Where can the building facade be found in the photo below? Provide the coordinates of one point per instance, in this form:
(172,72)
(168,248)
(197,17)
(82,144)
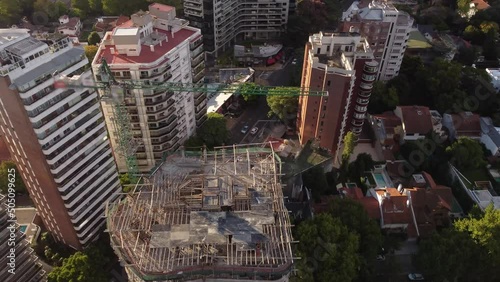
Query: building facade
(20,264)
(343,65)
(385,28)
(56,137)
(154,47)
(224,21)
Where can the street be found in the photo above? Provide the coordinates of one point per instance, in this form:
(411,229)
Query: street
(255,114)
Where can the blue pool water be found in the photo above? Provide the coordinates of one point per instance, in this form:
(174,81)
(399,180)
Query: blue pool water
(23,228)
(379,179)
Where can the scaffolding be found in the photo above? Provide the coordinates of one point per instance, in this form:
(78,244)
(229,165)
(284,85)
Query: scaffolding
(217,214)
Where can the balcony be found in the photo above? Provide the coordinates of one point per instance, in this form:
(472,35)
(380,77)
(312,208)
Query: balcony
(368,77)
(201,120)
(366,86)
(362,102)
(163,106)
(197,51)
(198,69)
(365,94)
(198,77)
(163,131)
(163,124)
(161,115)
(201,113)
(199,100)
(66,108)
(357,123)
(196,43)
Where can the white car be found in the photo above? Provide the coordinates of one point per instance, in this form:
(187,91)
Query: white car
(415,277)
(254,130)
(294,62)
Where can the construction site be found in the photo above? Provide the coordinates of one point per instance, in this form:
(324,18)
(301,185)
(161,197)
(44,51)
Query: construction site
(206,215)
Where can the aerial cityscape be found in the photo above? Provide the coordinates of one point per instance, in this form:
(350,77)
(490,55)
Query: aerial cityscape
(249,140)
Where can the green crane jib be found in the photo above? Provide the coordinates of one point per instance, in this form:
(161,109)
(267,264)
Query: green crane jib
(115,90)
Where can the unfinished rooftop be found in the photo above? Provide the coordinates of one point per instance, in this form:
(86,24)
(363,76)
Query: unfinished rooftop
(338,49)
(213,214)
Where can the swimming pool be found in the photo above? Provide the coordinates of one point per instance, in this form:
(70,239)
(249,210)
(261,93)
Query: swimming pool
(23,228)
(379,179)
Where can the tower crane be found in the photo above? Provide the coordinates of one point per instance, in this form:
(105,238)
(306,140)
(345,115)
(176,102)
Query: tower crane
(115,91)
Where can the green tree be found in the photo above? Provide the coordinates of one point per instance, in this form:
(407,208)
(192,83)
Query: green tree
(90,52)
(315,179)
(354,216)
(247,89)
(473,34)
(463,6)
(214,131)
(357,169)
(6,168)
(440,259)
(10,12)
(79,267)
(46,11)
(80,7)
(93,38)
(485,231)
(467,56)
(466,153)
(283,105)
(328,249)
(95,7)
(349,144)
(118,7)
(383,98)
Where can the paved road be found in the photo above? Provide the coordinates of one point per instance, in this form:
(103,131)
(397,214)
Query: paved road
(250,116)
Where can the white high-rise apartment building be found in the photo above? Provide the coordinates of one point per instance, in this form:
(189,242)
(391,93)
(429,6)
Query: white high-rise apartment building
(154,47)
(222,21)
(387,30)
(57,137)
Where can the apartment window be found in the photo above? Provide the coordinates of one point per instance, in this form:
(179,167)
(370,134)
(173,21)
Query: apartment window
(324,108)
(328,48)
(328,83)
(394,57)
(321,123)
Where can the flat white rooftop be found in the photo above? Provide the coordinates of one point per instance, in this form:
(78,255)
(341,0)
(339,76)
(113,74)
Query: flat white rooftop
(126,31)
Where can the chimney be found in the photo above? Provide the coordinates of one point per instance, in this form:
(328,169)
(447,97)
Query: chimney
(152,47)
(172,33)
(112,50)
(160,43)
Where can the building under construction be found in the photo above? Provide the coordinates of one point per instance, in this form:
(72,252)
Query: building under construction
(212,215)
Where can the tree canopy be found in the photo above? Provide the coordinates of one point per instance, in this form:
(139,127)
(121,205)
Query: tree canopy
(93,38)
(246,90)
(328,249)
(349,144)
(10,12)
(476,258)
(212,133)
(90,52)
(283,106)
(466,153)
(340,245)
(5,168)
(315,180)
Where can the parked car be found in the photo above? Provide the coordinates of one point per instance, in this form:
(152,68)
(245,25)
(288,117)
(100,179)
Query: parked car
(244,129)
(380,257)
(415,277)
(254,130)
(294,62)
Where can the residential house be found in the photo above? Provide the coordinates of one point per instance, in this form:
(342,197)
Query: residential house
(353,192)
(388,130)
(70,26)
(464,124)
(490,136)
(416,121)
(105,24)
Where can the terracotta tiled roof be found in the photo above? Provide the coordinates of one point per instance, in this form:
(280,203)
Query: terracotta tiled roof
(71,24)
(371,206)
(394,208)
(161,7)
(416,119)
(480,4)
(390,121)
(352,192)
(467,124)
(388,155)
